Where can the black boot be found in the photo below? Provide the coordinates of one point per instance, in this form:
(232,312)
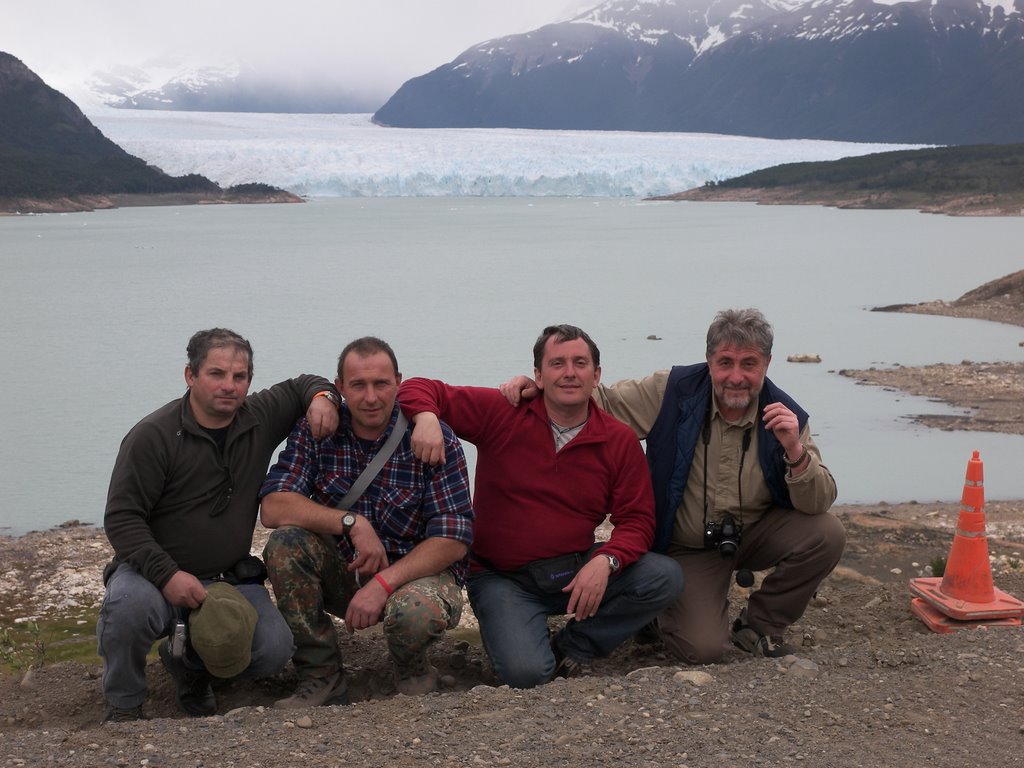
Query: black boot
(195,694)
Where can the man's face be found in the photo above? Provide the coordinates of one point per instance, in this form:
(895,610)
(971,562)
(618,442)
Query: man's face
(567,375)
(220,387)
(369,386)
(737,375)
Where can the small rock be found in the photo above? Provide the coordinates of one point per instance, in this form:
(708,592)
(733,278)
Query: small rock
(693,677)
(804,668)
(642,672)
(652,337)
(448,681)
(896,571)
(304,722)
(803,359)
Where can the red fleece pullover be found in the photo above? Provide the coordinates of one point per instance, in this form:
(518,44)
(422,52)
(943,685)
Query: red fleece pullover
(531,502)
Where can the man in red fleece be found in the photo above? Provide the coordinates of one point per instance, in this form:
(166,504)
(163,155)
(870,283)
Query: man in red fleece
(548,473)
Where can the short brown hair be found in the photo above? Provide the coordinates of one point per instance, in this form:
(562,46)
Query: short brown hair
(202,342)
(563,333)
(364,347)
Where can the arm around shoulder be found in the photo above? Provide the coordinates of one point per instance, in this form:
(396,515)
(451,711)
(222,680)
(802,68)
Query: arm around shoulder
(635,402)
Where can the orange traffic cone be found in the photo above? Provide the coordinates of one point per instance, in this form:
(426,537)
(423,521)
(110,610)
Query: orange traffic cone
(965,595)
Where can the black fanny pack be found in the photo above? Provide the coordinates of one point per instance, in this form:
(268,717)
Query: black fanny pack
(249,570)
(548,576)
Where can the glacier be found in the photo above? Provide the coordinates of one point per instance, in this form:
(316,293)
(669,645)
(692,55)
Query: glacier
(347,155)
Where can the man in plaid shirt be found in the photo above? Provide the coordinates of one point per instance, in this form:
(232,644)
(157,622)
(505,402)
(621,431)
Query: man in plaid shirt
(398,556)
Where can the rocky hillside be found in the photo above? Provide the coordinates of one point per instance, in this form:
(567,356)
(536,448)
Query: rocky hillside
(948,71)
(53,158)
(977,180)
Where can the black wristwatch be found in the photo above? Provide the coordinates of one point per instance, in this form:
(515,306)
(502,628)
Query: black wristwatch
(347,521)
(331,397)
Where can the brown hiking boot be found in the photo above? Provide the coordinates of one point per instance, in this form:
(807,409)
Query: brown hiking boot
(317,692)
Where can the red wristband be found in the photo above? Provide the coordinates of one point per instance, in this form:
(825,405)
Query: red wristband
(380,580)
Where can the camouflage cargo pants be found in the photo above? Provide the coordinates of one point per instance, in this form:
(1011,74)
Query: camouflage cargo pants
(311,580)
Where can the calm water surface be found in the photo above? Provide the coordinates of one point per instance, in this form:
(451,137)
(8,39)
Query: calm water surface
(98,308)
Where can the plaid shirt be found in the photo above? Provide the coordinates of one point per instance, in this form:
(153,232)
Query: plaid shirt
(407,502)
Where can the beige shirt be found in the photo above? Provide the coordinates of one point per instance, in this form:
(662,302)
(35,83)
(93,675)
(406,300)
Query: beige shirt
(735,483)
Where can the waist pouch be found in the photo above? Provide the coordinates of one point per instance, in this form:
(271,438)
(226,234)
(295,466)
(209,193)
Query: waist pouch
(548,576)
(249,570)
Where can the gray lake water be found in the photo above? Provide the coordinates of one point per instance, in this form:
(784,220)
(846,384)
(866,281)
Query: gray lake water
(98,307)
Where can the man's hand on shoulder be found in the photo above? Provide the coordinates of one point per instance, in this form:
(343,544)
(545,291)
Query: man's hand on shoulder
(427,438)
(323,418)
(519,388)
(184,590)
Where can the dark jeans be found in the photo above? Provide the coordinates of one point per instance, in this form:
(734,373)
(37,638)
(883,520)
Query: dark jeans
(514,620)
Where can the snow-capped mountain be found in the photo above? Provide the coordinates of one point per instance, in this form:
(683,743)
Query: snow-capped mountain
(177,82)
(934,71)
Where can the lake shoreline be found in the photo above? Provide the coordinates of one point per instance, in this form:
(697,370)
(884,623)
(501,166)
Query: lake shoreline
(954,205)
(88,203)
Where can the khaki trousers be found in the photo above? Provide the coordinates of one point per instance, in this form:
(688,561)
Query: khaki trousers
(803,550)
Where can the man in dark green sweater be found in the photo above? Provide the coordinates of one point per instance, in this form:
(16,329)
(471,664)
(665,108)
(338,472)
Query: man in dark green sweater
(180,515)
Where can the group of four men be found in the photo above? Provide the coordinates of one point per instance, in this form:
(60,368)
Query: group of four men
(373,521)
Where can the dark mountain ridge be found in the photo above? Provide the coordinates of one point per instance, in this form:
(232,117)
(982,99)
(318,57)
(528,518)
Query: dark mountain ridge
(949,71)
(50,151)
(49,148)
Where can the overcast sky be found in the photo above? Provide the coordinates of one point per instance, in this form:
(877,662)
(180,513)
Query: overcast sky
(387,41)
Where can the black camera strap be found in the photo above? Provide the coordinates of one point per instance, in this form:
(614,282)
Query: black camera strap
(706,439)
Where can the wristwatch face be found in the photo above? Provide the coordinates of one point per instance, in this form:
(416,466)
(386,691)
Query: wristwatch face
(347,521)
(613,561)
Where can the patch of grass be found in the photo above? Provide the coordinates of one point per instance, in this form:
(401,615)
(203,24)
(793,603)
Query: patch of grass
(22,650)
(938,566)
(31,644)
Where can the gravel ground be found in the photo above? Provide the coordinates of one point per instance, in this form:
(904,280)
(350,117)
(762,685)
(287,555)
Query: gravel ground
(871,686)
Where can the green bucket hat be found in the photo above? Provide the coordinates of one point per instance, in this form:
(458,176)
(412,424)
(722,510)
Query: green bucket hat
(221,630)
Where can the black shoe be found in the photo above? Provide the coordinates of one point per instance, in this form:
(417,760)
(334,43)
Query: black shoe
(565,666)
(119,715)
(746,638)
(195,694)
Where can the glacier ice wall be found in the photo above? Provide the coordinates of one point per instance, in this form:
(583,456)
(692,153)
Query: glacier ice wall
(349,156)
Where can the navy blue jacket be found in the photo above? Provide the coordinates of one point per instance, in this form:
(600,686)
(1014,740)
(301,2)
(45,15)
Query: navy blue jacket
(673,439)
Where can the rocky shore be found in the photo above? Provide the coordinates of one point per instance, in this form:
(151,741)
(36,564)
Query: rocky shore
(950,205)
(85,203)
(871,685)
